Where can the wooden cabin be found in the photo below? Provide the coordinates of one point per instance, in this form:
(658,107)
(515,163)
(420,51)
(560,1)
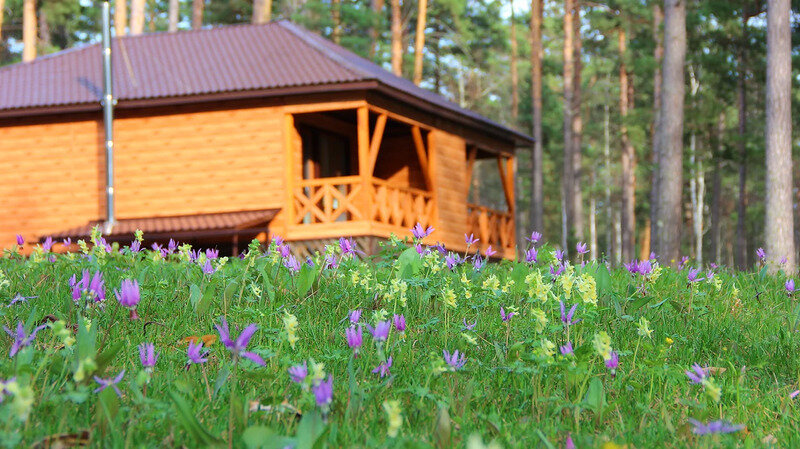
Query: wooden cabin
(226,134)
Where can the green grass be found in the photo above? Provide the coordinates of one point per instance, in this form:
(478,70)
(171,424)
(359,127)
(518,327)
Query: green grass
(514,389)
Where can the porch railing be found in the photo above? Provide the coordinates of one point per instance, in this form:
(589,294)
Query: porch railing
(329,200)
(492,227)
(400,206)
(343,199)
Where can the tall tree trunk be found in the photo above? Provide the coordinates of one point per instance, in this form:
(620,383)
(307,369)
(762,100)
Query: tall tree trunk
(45,38)
(419,40)
(2,10)
(716,193)
(513,68)
(628,176)
(173,15)
(670,134)
(374,30)
(658,55)
(120,17)
(593,220)
(28,30)
(336,17)
(612,250)
(137,16)
(577,127)
(197,13)
(741,205)
(262,11)
(537,196)
(779,223)
(696,183)
(397,38)
(568,179)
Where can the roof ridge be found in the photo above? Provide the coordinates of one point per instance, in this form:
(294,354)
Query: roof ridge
(309,38)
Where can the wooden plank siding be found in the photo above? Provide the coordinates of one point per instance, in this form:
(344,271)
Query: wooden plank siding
(450,159)
(52,176)
(219,157)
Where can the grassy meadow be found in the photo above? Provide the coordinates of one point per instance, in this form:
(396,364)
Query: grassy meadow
(639,356)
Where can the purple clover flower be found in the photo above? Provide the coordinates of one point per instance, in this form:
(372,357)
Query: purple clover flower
(419,233)
(714,427)
(93,286)
(136,246)
(566,317)
(567,349)
(238,347)
(535,237)
(613,362)
(21,338)
(478,262)
(20,240)
(761,254)
(291,263)
(128,296)
(195,354)
(348,247)
(470,240)
(469,326)
(581,248)
(207,268)
(697,374)
(399,323)
(381,331)
(355,338)
(789,286)
(455,360)
(48,244)
(506,316)
(323,393)
(383,368)
(147,355)
(559,255)
(694,275)
(531,255)
(110,382)
(298,373)
(354,316)
(490,252)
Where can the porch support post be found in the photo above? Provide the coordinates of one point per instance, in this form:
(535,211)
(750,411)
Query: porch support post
(422,154)
(289,135)
(472,154)
(375,142)
(506,166)
(364,169)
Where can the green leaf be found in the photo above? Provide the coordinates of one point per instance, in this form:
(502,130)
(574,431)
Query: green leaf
(310,430)
(603,280)
(262,437)
(108,355)
(408,264)
(544,440)
(442,431)
(205,301)
(189,422)
(194,295)
(595,397)
(305,279)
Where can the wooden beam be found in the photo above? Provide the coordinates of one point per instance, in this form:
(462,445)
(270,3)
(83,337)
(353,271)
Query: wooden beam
(289,132)
(362,115)
(375,143)
(505,165)
(472,154)
(422,154)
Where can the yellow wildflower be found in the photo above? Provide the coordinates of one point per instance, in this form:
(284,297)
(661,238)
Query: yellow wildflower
(290,324)
(644,328)
(449,297)
(539,320)
(393,416)
(602,345)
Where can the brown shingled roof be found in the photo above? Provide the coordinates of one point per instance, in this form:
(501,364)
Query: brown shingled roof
(218,223)
(238,58)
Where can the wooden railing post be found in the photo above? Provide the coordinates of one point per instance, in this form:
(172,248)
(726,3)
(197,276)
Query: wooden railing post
(289,135)
(362,115)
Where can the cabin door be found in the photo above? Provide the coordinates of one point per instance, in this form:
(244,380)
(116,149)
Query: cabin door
(326,154)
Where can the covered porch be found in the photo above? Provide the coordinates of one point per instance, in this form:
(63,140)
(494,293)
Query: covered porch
(361,170)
